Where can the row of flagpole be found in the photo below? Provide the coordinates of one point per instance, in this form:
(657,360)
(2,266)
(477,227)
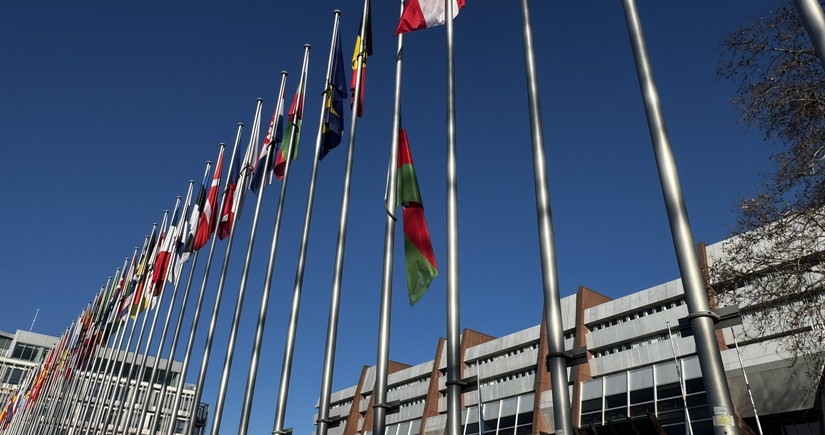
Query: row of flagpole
(116,365)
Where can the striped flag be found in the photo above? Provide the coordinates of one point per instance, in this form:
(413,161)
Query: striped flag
(418,248)
(420,14)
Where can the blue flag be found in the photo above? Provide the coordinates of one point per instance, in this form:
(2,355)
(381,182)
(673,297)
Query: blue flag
(335,95)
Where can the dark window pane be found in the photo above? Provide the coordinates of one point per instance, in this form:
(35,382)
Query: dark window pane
(591,405)
(647,408)
(594,418)
(671,417)
(525,418)
(639,396)
(489,424)
(616,400)
(699,413)
(694,385)
(697,400)
(670,404)
(679,429)
(524,430)
(615,414)
(669,390)
(508,421)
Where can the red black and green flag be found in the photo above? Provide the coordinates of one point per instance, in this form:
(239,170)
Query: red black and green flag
(418,249)
(293,128)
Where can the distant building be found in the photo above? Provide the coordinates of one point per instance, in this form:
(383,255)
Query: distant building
(22,353)
(630,378)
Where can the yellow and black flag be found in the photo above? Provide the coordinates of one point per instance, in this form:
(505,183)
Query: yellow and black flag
(367,51)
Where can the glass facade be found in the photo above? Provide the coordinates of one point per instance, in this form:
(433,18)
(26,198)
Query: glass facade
(653,391)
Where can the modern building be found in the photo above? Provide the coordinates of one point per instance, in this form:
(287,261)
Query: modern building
(641,376)
(99,393)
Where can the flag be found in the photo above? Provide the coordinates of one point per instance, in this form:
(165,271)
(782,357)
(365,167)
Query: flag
(274,134)
(335,95)
(194,218)
(164,256)
(418,249)
(367,31)
(293,128)
(228,213)
(209,214)
(419,14)
(177,260)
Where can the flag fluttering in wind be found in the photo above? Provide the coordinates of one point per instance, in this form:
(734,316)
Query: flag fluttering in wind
(293,128)
(420,14)
(209,214)
(194,218)
(418,249)
(367,32)
(274,135)
(227,212)
(336,93)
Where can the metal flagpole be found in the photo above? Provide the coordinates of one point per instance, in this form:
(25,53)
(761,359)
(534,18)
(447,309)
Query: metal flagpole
(236,319)
(173,411)
(179,226)
(111,365)
(338,271)
(747,384)
(556,360)
(184,230)
(92,369)
(129,394)
(239,190)
(77,381)
(701,317)
(385,306)
(296,300)
(810,11)
(99,385)
(117,370)
(681,380)
(48,383)
(249,392)
(480,401)
(453,307)
(289,345)
(56,382)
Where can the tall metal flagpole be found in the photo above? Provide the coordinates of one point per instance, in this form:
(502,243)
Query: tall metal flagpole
(287,363)
(681,380)
(338,271)
(119,405)
(385,305)
(236,319)
(109,371)
(145,356)
(810,11)
(180,225)
(77,378)
(747,384)
(210,336)
(249,392)
(556,361)
(453,314)
(289,345)
(181,314)
(173,411)
(701,317)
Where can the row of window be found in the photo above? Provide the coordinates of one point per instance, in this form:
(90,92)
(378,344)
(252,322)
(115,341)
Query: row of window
(510,377)
(627,345)
(504,355)
(638,314)
(409,384)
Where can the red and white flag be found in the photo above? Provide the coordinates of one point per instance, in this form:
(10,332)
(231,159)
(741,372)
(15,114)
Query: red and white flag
(420,14)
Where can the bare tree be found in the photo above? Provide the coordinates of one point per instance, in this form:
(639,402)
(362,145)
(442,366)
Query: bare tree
(774,259)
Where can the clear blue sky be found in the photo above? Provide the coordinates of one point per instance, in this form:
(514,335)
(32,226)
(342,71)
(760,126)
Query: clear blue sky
(108,109)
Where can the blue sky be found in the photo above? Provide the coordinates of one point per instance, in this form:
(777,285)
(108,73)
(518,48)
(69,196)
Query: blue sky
(108,109)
